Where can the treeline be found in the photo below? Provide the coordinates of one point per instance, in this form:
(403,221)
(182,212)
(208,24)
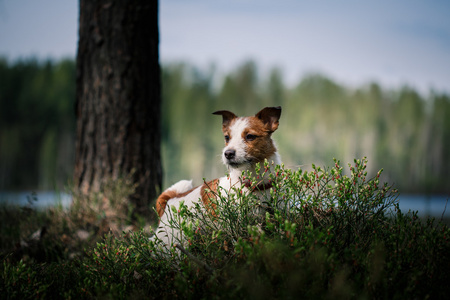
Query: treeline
(402,131)
(37,124)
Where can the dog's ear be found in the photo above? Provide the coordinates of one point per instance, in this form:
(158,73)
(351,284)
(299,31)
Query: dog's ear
(270,117)
(228,116)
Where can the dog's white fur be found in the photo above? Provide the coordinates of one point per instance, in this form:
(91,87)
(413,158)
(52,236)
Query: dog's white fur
(249,138)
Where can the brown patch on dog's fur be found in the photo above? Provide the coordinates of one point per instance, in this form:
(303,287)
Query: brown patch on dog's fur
(208,192)
(162,200)
(262,146)
(270,116)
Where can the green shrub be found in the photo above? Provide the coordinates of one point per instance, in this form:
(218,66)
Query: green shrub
(318,234)
(321,234)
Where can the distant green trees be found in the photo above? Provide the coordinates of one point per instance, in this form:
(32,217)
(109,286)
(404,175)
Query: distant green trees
(37,123)
(401,130)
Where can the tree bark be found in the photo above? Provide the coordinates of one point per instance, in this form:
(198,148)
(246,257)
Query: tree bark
(118,98)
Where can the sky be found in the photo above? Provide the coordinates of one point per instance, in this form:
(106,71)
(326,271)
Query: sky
(393,43)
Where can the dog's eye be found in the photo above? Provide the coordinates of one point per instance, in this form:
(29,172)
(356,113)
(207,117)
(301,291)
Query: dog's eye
(227,138)
(250,137)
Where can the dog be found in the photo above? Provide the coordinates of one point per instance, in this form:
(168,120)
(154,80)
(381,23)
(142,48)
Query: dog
(248,141)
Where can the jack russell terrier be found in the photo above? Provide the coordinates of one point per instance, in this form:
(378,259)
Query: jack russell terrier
(248,141)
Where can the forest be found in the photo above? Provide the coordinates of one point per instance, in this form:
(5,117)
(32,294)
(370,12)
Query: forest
(400,130)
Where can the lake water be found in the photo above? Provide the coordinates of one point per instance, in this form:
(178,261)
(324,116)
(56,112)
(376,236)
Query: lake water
(39,200)
(434,205)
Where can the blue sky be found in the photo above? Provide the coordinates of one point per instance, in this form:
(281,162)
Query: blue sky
(353,42)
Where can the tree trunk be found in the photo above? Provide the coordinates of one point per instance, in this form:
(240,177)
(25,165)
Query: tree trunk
(118,97)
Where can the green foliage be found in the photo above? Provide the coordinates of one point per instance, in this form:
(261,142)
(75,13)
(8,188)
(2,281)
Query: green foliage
(321,118)
(320,234)
(317,234)
(42,252)
(400,128)
(44,280)
(37,124)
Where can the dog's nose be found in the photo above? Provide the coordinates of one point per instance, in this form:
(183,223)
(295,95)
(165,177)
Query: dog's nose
(230,154)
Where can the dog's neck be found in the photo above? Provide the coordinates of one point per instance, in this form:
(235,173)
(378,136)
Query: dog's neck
(235,174)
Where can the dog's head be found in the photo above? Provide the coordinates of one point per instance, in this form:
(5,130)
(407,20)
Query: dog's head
(248,139)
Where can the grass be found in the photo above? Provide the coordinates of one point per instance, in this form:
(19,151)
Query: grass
(321,234)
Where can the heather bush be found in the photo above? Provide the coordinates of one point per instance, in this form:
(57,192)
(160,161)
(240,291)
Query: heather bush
(322,233)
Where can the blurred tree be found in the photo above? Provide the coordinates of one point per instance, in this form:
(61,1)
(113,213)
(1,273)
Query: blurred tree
(118,97)
(240,90)
(274,91)
(399,130)
(36,124)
